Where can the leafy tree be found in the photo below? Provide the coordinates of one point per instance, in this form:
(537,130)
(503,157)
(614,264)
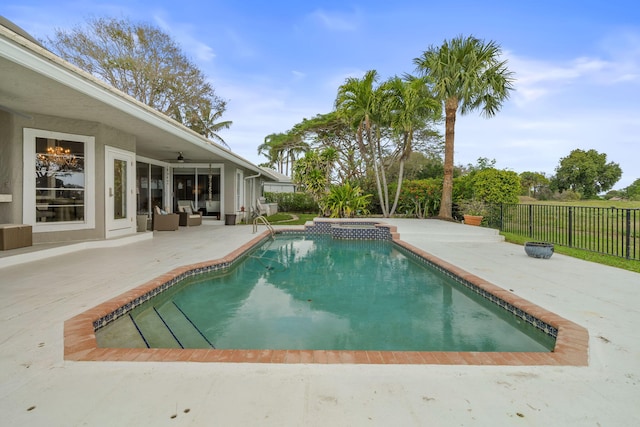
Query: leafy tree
(331,131)
(533,183)
(466,74)
(587,173)
(496,186)
(632,192)
(144,62)
(419,166)
(312,173)
(611,194)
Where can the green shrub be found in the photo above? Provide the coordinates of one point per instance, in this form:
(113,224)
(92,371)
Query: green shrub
(292,202)
(347,201)
(490,185)
(419,198)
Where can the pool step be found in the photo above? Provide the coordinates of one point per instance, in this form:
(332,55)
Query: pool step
(186,332)
(154,330)
(122,333)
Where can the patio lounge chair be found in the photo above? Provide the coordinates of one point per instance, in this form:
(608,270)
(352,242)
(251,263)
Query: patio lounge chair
(265,208)
(213,207)
(188,215)
(163,221)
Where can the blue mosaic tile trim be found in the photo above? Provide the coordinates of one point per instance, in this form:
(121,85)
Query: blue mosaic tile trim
(539,324)
(121,311)
(360,232)
(355,230)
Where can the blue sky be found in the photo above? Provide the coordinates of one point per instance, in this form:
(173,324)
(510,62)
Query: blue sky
(577,64)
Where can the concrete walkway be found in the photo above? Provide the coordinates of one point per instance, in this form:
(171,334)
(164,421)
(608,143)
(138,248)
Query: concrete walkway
(39,388)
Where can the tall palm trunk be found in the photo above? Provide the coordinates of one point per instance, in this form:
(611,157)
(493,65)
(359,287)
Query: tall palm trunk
(450,107)
(406,152)
(378,168)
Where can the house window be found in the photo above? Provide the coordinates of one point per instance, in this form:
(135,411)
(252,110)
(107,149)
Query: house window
(58,180)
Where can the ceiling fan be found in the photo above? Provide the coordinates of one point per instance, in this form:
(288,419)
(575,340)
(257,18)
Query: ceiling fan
(179,159)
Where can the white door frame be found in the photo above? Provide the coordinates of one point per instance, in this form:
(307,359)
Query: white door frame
(126,225)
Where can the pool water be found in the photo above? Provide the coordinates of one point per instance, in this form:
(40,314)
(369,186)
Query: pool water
(317,293)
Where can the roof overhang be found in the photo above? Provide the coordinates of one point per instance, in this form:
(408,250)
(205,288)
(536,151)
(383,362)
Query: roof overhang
(35,81)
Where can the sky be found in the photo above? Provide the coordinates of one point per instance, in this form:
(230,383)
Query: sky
(576,64)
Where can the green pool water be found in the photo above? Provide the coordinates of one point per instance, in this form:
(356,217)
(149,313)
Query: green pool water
(302,292)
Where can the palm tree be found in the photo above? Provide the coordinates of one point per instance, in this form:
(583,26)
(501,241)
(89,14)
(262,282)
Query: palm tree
(282,149)
(466,73)
(293,146)
(206,122)
(359,103)
(410,105)
(273,149)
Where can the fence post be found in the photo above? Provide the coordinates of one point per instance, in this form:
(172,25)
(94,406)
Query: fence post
(530,221)
(570,225)
(628,235)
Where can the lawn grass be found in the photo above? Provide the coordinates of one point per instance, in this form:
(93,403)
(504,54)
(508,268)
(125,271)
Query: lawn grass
(621,204)
(612,261)
(286,218)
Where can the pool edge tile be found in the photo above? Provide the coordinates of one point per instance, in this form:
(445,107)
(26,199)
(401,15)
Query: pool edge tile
(571,348)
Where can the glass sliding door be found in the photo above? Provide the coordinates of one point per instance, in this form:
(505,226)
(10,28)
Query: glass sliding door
(185,187)
(156,189)
(149,188)
(200,186)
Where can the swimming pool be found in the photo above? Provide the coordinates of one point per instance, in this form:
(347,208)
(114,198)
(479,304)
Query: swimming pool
(571,347)
(313,292)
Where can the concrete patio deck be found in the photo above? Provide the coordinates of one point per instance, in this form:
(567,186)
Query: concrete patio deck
(39,388)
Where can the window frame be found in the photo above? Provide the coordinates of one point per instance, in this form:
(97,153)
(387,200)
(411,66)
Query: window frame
(240,193)
(29,181)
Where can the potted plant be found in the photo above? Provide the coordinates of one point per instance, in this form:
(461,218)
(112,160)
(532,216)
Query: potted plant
(542,250)
(473,211)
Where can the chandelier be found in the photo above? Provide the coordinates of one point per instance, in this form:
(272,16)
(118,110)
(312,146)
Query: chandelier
(58,157)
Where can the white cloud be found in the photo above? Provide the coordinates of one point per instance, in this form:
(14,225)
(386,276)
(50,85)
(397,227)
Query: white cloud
(336,21)
(183,35)
(298,75)
(538,79)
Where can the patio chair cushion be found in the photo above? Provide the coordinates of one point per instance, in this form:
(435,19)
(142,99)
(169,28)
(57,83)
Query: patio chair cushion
(189,220)
(166,221)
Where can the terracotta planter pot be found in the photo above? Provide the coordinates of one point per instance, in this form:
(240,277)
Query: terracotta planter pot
(472,219)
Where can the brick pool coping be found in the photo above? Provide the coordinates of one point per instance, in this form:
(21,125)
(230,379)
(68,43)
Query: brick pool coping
(571,347)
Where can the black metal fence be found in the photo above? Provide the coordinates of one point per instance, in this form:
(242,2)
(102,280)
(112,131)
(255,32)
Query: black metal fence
(611,231)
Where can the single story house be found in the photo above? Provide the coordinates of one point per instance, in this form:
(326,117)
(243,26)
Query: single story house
(284,184)
(80,160)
